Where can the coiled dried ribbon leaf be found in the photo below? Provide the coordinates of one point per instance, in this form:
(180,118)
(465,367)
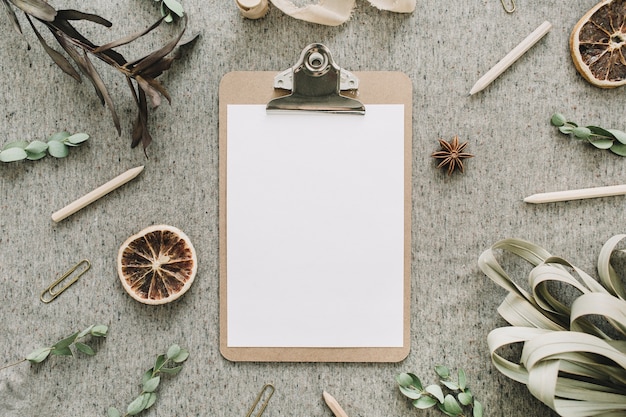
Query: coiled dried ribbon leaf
(567,361)
(325,12)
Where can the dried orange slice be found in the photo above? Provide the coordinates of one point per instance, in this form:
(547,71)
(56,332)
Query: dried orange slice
(157,265)
(598,44)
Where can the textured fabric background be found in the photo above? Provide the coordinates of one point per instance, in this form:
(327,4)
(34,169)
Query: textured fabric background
(444,47)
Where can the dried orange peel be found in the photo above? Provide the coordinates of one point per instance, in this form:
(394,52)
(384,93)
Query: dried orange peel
(598,44)
(157,265)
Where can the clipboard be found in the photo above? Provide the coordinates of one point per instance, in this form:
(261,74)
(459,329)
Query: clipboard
(245,91)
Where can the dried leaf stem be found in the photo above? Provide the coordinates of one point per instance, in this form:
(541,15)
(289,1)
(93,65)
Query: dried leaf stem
(141,74)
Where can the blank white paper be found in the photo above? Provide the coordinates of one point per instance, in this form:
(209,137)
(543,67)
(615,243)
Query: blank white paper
(315,228)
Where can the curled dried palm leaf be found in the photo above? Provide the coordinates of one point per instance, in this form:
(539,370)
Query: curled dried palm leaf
(567,361)
(141,73)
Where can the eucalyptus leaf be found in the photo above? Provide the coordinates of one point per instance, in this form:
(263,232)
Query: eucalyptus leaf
(86,349)
(602,143)
(175,7)
(406,380)
(478,409)
(36,147)
(147,375)
(77,138)
(151,400)
(22,144)
(566,129)
(65,351)
(411,393)
(450,384)
(442,371)
(63,343)
(171,371)
(618,149)
(181,357)
(619,135)
(58,149)
(464,398)
(160,361)
(435,391)
(38,355)
(558,119)
(59,136)
(582,132)
(35,156)
(113,412)
(99,330)
(173,351)
(138,404)
(85,332)
(424,402)
(462,379)
(13,155)
(452,406)
(151,384)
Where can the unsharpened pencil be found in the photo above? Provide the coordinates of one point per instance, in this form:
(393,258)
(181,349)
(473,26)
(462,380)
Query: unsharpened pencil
(595,192)
(511,57)
(96,194)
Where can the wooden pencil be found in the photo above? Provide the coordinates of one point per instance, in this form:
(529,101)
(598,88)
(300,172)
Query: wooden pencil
(511,57)
(96,194)
(595,192)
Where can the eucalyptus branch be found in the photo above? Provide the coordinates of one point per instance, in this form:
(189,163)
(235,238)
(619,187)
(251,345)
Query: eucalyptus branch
(57,145)
(431,395)
(612,139)
(141,74)
(168,363)
(63,346)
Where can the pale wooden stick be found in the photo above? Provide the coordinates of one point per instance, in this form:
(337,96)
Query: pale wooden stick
(334,405)
(511,57)
(607,191)
(96,194)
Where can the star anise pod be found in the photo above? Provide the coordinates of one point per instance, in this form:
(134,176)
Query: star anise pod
(140,74)
(451,154)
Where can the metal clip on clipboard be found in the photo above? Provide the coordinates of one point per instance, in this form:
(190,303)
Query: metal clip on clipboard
(316,82)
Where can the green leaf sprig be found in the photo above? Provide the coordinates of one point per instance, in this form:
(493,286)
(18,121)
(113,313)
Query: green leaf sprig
(170,9)
(168,363)
(611,139)
(455,401)
(63,346)
(58,145)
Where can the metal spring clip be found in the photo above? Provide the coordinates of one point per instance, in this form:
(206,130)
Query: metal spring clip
(269,388)
(51,292)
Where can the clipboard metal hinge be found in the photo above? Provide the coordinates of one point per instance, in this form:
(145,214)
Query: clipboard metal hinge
(316,82)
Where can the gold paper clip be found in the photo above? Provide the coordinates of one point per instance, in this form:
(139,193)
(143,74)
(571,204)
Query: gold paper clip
(51,292)
(508,9)
(267,388)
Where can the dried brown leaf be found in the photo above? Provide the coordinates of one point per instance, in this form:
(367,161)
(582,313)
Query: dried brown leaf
(57,57)
(127,39)
(98,84)
(36,8)
(70,14)
(12,17)
(155,97)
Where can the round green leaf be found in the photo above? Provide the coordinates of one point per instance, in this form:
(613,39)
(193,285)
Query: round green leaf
(35,156)
(99,330)
(38,355)
(619,135)
(619,149)
(435,391)
(151,384)
(602,143)
(410,392)
(113,412)
(451,385)
(424,402)
(478,409)
(404,379)
(59,136)
(13,154)
(182,356)
(442,371)
(462,379)
(581,132)
(567,129)
(151,400)
(36,146)
(77,138)
(15,144)
(175,7)
(451,406)
(86,349)
(138,404)
(57,149)
(173,351)
(465,398)
(558,119)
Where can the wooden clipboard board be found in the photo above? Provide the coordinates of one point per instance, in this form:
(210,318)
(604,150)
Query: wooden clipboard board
(257,88)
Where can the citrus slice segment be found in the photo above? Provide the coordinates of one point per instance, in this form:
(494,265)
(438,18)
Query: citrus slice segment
(157,265)
(598,44)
